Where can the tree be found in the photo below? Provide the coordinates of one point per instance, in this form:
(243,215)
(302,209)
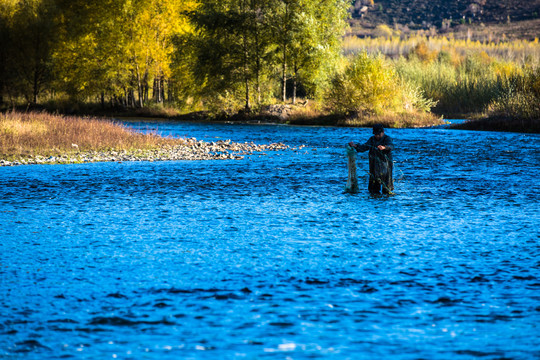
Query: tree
(119,46)
(308,37)
(368,85)
(6,15)
(27,32)
(239,42)
(154,25)
(90,57)
(231,46)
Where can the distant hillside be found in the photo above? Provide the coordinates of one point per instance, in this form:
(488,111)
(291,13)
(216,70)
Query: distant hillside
(440,14)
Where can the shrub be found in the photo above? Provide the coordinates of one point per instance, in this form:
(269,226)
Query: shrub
(519,96)
(505,69)
(225,103)
(422,52)
(367,85)
(383,30)
(468,88)
(414,98)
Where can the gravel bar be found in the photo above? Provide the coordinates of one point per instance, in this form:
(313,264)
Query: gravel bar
(191,150)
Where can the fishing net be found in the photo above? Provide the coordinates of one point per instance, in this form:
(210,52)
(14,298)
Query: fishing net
(380,167)
(352,179)
(380,173)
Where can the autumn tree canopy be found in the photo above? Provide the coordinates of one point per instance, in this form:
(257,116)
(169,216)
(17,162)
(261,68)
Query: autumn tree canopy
(135,52)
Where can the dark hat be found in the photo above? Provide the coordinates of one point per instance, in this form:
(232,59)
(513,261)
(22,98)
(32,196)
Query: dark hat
(378,128)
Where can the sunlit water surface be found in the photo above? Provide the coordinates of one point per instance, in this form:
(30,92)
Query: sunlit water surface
(268,258)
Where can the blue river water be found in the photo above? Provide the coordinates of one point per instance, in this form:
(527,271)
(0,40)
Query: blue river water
(268,258)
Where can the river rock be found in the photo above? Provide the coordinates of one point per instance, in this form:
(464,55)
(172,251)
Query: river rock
(191,150)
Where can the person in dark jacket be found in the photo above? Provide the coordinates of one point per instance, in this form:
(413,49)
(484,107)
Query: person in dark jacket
(381,163)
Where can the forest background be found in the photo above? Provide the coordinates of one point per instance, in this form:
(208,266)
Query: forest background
(403,63)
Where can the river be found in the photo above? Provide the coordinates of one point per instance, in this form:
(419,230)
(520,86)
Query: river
(268,258)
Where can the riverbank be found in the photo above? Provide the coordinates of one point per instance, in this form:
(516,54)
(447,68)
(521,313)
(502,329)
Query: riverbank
(403,120)
(39,138)
(304,112)
(500,124)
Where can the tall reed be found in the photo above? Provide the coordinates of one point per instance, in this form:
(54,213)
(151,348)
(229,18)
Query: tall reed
(518,51)
(463,77)
(456,90)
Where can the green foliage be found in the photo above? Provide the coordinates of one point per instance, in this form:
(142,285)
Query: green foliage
(423,53)
(415,99)
(231,47)
(117,47)
(225,104)
(384,31)
(369,85)
(225,55)
(314,41)
(248,43)
(26,33)
(456,90)
(133,52)
(519,96)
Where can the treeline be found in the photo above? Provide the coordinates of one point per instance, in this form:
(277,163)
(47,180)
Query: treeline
(132,53)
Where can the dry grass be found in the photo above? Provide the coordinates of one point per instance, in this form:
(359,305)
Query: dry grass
(158,111)
(488,32)
(395,120)
(31,134)
(309,110)
(519,51)
(313,114)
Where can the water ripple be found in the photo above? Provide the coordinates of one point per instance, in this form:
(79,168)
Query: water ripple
(268,258)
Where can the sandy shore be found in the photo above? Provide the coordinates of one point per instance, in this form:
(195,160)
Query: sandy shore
(192,150)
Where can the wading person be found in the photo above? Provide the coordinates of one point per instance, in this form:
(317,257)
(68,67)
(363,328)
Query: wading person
(381,164)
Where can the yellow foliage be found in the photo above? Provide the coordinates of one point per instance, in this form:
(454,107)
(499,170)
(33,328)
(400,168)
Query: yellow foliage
(484,58)
(118,44)
(506,69)
(384,31)
(423,52)
(520,51)
(456,58)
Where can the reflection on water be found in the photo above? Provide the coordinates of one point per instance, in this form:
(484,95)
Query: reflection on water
(267,257)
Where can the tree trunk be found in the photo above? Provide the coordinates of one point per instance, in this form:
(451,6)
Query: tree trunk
(284,75)
(36,86)
(131,100)
(162,88)
(246,74)
(157,90)
(170,96)
(248,105)
(37,63)
(257,59)
(295,79)
(139,87)
(284,50)
(145,87)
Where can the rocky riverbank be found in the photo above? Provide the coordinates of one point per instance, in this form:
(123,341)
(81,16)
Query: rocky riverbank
(191,150)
